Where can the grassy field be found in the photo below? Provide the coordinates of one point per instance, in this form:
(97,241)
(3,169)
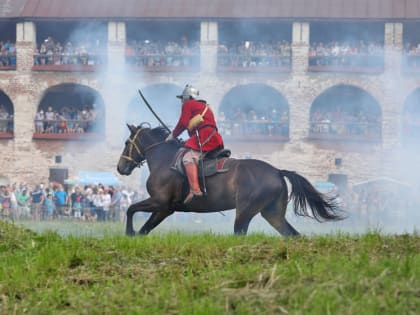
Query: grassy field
(205,273)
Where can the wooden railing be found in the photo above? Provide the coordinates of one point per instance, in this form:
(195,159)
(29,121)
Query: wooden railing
(238,62)
(8,62)
(347,63)
(66,62)
(66,129)
(330,130)
(164,62)
(254,130)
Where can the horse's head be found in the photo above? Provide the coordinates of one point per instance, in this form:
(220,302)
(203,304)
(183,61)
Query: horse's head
(132,155)
(142,138)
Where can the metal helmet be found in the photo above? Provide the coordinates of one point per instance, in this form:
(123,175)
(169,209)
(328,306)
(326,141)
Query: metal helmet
(189,92)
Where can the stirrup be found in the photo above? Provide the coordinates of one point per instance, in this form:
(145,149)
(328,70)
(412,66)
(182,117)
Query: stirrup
(191,196)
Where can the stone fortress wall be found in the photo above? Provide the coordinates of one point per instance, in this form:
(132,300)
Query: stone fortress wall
(26,159)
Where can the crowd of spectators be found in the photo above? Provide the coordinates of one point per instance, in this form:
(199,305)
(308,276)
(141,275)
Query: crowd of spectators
(339,121)
(55,201)
(411,55)
(366,205)
(51,52)
(65,120)
(254,54)
(347,53)
(254,122)
(6,120)
(7,54)
(382,204)
(149,53)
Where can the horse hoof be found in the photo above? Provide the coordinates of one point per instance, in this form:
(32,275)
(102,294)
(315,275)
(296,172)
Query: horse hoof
(130,233)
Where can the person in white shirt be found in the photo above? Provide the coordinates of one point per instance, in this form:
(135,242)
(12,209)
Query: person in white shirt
(106,204)
(98,202)
(50,125)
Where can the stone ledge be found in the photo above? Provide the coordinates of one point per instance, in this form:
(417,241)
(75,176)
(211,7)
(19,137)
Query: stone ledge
(68,68)
(6,135)
(265,138)
(67,136)
(343,138)
(349,69)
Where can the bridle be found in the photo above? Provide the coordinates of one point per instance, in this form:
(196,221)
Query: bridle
(133,146)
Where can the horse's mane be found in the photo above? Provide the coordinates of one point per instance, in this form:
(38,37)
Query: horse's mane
(161,133)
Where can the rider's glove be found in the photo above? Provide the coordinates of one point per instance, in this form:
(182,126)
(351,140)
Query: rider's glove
(170,137)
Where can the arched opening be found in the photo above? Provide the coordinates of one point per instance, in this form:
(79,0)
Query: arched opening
(70,111)
(6,117)
(345,113)
(411,119)
(254,111)
(162,98)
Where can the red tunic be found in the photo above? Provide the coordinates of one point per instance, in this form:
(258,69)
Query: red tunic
(207,129)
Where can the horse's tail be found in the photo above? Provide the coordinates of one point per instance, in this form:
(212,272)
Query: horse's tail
(303,194)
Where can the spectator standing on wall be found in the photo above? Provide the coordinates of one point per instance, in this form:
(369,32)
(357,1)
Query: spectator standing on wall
(39,121)
(49,121)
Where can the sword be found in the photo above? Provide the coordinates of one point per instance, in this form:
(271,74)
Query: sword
(201,162)
(153,112)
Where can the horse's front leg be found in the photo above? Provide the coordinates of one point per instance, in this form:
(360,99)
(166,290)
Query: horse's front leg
(155,219)
(159,213)
(144,205)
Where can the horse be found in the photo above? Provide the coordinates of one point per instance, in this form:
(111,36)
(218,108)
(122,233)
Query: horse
(250,186)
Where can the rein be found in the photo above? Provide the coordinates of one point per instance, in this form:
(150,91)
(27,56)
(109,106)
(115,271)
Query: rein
(133,144)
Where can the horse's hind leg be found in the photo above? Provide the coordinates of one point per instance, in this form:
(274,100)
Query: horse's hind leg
(244,215)
(242,221)
(275,215)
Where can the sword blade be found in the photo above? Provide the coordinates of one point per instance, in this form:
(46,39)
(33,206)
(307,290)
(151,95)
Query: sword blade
(153,112)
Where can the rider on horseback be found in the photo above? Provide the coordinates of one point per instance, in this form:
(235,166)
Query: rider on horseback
(198,119)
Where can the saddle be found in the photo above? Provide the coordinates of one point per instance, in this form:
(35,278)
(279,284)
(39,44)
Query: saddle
(213,162)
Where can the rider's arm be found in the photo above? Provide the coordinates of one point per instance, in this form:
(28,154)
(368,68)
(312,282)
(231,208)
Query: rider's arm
(183,120)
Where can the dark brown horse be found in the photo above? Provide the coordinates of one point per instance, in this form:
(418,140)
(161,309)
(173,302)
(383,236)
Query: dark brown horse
(250,187)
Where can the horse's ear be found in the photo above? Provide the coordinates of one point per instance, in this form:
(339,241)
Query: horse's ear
(132,128)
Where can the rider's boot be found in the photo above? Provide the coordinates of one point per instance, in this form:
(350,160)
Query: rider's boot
(192,175)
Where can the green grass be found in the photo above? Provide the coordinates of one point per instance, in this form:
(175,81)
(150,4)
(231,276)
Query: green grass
(205,273)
